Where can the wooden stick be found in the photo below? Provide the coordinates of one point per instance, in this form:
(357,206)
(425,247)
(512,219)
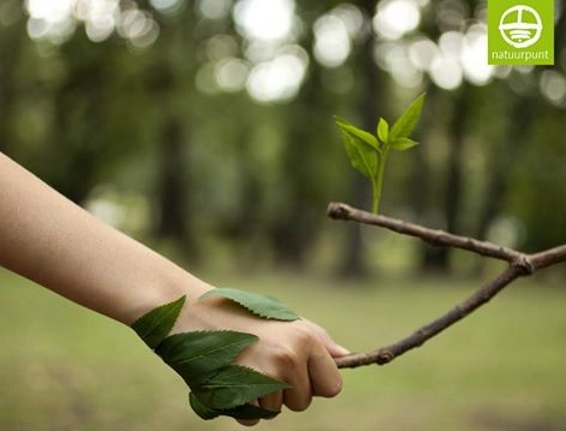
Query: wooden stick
(520,264)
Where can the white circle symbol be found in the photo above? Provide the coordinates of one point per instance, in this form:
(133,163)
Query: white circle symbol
(520,26)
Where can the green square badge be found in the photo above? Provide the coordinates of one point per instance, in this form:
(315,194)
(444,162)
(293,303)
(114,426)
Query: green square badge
(520,32)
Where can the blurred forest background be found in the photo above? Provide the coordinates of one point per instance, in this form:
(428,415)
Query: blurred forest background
(205,128)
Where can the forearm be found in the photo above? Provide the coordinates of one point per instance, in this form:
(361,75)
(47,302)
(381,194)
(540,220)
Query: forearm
(48,239)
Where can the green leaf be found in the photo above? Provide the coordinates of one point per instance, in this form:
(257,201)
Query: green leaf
(264,306)
(246,411)
(154,326)
(194,355)
(234,386)
(201,409)
(349,128)
(383,130)
(405,125)
(363,156)
(403,144)
(249,411)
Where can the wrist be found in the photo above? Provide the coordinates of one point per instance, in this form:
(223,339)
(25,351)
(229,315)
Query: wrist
(167,282)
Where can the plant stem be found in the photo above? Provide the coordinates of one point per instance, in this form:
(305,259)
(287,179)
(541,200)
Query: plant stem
(378,182)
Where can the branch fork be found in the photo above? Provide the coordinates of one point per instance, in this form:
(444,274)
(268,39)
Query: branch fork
(520,264)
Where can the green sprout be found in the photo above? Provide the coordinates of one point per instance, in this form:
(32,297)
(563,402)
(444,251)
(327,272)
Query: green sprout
(368,153)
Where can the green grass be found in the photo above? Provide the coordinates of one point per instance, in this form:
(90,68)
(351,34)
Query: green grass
(63,367)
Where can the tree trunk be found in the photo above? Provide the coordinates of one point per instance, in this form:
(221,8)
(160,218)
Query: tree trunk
(436,260)
(511,149)
(369,108)
(173,183)
(11,37)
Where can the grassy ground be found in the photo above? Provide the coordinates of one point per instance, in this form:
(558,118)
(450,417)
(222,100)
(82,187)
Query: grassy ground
(65,368)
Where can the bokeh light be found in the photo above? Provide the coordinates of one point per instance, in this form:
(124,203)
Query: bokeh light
(268,21)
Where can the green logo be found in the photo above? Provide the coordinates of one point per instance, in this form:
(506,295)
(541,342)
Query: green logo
(521,32)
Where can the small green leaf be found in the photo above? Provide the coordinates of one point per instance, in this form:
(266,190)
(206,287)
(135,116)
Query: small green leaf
(194,355)
(363,156)
(403,144)
(234,386)
(264,306)
(383,130)
(349,128)
(154,326)
(406,123)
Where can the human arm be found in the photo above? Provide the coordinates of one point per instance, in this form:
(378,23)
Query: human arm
(50,240)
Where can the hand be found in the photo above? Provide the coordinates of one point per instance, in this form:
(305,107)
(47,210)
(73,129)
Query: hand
(300,353)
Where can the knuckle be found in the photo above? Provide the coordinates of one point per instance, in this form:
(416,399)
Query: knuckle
(286,358)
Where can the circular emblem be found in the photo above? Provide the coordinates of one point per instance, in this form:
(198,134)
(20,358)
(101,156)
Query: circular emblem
(520,26)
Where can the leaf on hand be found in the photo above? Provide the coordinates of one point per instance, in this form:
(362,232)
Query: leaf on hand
(406,123)
(194,355)
(403,144)
(264,306)
(202,410)
(154,326)
(245,411)
(361,147)
(204,359)
(235,386)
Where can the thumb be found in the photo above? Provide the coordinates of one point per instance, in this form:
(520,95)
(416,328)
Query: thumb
(334,349)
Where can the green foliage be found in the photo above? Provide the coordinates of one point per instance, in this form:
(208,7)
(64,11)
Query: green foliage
(233,386)
(154,326)
(204,359)
(197,354)
(368,153)
(264,306)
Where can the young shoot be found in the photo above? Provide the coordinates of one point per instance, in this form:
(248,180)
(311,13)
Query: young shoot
(368,152)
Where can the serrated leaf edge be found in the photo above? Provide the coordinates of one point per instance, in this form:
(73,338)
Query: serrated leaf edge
(226,293)
(173,309)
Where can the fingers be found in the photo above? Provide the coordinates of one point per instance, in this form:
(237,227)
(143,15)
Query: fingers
(311,369)
(299,353)
(325,379)
(335,350)
(299,396)
(248,422)
(272,401)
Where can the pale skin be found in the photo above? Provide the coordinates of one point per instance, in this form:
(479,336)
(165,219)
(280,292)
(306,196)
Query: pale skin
(50,240)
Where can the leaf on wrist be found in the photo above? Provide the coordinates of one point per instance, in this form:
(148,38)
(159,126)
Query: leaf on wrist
(264,306)
(154,326)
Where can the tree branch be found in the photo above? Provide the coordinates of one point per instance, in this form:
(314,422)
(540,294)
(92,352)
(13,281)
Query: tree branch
(520,264)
